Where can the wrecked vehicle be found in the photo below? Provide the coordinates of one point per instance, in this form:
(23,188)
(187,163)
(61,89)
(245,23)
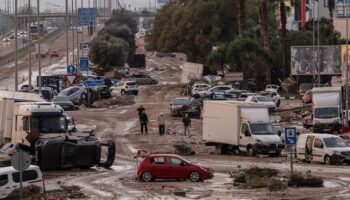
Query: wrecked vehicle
(44,129)
(324,148)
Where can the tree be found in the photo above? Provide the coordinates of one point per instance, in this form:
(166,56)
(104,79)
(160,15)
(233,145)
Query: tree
(241,17)
(331,6)
(263,23)
(122,17)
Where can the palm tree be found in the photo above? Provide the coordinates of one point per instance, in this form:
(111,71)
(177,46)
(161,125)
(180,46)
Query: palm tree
(263,23)
(331,6)
(241,17)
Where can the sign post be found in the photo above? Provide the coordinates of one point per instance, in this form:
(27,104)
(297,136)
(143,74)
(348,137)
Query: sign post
(84,64)
(290,140)
(20,161)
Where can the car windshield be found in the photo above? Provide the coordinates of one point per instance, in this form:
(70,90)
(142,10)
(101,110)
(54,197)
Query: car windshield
(182,101)
(334,142)
(264,99)
(48,124)
(326,113)
(262,129)
(130,83)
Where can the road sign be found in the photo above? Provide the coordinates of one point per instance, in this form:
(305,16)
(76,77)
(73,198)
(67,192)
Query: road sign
(290,135)
(86,16)
(21,160)
(236,76)
(84,64)
(84,45)
(71,79)
(71,69)
(92,83)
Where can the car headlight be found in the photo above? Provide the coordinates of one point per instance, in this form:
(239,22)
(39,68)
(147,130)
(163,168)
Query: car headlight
(259,142)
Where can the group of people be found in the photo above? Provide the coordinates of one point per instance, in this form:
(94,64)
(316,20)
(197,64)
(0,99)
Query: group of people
(161,122)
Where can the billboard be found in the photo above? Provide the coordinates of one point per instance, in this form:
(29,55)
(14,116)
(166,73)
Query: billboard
(306,60)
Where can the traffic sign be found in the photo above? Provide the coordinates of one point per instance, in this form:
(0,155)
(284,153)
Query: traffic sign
(71,69)
(290,135)
(71,79)
(84,64)
(86,16)
(21,160)
(92,83)
(84,45)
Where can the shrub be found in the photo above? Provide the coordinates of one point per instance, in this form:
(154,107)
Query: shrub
(262,172)
(298,180)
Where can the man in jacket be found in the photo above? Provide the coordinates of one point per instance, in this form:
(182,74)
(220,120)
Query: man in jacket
(187,125)
(161,122)
(144,122)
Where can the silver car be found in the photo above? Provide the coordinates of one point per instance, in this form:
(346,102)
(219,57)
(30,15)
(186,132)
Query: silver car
(74,93)
(141,79)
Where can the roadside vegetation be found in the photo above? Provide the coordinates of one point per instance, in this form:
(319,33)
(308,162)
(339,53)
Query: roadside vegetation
(114,44)
(248,36)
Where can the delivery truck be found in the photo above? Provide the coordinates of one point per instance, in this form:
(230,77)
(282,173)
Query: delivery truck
(326,109)
(239,127)
(27,119)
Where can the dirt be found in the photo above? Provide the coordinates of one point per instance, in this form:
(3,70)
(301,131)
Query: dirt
(120,123)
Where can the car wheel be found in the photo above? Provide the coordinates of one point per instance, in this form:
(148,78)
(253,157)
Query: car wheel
(327,160)
(221,149)
(194,176)
(146,176)
(122,92)
(154,82)
(278,103)
(214,97)
(250,151)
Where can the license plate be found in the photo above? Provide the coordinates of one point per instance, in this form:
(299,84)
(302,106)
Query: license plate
(272,151)
(328,129)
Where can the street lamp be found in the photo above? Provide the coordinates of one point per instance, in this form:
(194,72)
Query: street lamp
(16,47)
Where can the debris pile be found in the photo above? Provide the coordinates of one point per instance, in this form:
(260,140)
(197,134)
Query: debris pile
(122,100)
(183,148)
(31,192)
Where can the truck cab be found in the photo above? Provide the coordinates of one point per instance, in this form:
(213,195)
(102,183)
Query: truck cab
(326,109)
(259,138)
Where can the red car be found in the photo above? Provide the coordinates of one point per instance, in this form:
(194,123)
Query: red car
(179,105)
(171,166)
(54,53)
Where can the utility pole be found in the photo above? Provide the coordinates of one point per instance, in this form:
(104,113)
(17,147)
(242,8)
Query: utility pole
(16,47)
(29,47)
(67,50)
(72,25)
(318,44)
(76,28)
(347,69)
(313,42)
(39,38)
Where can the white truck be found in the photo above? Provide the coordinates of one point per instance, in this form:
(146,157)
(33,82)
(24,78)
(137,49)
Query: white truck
(44,51)
(42,127)
(326,109)
(239,127)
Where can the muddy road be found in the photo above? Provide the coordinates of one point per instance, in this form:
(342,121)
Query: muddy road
(121,125)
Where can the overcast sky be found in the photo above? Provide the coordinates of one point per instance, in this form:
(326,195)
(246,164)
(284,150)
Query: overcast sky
(59,4)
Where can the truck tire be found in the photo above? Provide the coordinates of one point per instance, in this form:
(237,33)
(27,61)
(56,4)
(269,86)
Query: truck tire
(250,151)
(221,149)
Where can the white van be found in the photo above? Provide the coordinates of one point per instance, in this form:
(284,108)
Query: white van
(9,179)
(325,148)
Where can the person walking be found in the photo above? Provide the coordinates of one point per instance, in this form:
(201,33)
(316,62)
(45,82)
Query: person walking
(187,125)
(144,123)
(161,122)
(140,110)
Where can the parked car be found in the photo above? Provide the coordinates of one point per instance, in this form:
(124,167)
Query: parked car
(216,92)
(262,100)
(199,87)
(54,53)
(123,70)
(141,79)
(64,102)
(272,88)
(179,104)
(104,92)
(6,40)
(46,93)
(307,121)
(325,148)
(25,88)
(9,149)
(307,97)
(243,96)
(126,87)
(10,179)
(74,93)
(171,166)
(276,98)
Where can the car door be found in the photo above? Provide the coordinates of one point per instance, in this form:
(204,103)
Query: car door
(244,140)
(158,167)
(5,187)
(176,167)
(318,150)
